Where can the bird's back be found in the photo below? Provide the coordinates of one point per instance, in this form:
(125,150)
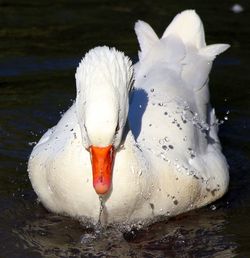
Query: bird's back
(170,114)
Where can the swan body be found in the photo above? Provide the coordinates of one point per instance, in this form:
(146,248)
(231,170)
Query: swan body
(168,157)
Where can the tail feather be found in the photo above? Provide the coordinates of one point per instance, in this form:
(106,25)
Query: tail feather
(211,51)
(146,37)
(188,26)
(182,46)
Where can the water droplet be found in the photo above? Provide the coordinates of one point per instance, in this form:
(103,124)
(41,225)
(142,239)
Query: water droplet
(164,147)
(32,143)
(161,141)
(237,8)
(213,207)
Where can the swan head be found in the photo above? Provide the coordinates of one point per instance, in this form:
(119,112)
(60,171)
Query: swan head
(103,81)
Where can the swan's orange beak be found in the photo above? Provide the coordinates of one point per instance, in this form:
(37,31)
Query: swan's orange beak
(102,162)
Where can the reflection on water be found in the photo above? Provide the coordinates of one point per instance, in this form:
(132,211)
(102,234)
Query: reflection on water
(41,44)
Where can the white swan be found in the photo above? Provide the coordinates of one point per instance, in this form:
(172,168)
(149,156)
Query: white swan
(167,161)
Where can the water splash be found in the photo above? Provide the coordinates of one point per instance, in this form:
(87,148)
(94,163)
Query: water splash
(102,220)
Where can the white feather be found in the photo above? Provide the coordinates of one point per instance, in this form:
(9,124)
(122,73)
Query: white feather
(146,36)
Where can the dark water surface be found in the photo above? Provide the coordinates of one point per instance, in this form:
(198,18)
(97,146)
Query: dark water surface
(41,43)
